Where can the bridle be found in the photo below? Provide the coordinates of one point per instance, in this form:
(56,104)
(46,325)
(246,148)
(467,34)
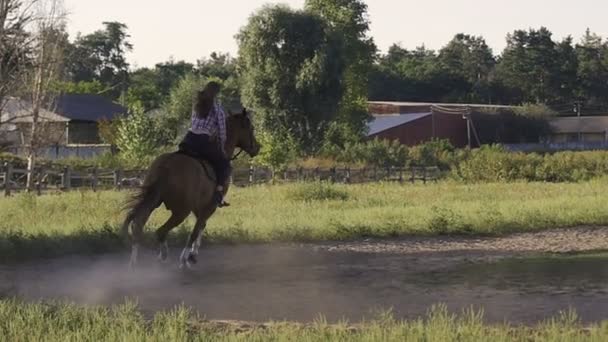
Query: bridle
(241,150)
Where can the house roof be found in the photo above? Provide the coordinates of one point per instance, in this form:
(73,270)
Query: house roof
(416,104)
(583,124)
(86,107)
(382,123)
(19,111)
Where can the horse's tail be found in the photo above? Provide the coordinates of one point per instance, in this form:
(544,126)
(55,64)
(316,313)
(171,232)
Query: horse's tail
(145,200)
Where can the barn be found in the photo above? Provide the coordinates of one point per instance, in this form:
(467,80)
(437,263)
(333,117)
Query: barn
(70,127)
(413,123)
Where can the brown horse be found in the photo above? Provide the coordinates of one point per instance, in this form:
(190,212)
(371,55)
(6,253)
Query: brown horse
(184,186)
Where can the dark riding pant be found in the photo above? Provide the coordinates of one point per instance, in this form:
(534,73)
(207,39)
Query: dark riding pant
(201,146)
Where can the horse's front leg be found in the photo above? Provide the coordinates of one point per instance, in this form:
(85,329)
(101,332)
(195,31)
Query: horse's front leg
(190,252)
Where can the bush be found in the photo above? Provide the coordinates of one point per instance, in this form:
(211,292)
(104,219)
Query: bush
(438,152)
(493,164)
(318,191)
(136,136)
(277,151)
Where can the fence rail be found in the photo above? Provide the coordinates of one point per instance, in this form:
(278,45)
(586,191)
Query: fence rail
(45,178)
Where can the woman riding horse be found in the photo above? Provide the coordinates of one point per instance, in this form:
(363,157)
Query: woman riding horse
(184,186)
(207,136)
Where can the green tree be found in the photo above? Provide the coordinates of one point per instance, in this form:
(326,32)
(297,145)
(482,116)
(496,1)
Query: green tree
(292,73)
(413,75)
(469,59)
(143,88)
(531,65)
(348,19)
(219,65)
(101,56)
(136,138)
(170,73)
(278,150)
(592,53)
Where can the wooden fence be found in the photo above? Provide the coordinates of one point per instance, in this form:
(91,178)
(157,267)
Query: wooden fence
(49,177)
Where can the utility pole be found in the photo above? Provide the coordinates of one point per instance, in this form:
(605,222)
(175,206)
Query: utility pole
(577,110)
(467,116)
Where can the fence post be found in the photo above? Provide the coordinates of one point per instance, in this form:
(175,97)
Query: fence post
(251,174)
(347,176)
(94,180)
(317,176)
(67,178)
(117,177)
(400,174)
(39,181)
(424,175)
(413,179)
(7,179)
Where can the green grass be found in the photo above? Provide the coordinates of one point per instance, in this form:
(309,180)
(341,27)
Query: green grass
(62,322)
(88,222)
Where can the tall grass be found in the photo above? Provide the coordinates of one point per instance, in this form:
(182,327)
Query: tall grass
(62,322)
(87,221)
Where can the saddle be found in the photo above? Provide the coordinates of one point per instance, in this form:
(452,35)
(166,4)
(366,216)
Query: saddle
(204,163)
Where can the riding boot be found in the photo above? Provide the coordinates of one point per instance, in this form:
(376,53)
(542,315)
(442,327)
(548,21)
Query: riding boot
(219,199)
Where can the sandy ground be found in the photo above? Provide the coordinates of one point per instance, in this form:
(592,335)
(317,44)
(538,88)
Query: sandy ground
(348,280)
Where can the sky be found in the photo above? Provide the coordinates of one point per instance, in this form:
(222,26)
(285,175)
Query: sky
(191,29)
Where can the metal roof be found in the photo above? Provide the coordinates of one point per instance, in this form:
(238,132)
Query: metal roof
(85,107)
(20,111)
(416,104)
(583,124)
(381,123)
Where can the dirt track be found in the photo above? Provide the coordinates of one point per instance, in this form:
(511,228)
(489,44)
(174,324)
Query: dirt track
(342,280)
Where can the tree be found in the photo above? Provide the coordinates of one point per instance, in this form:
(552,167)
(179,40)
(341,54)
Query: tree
(48,45)
(101,56)
(469,59)
(292,70)
(135,136)
(144,89)
(530,64)
(219,65)
(170,73)
(15,16)
(348,19)
(592,58)
(411,75)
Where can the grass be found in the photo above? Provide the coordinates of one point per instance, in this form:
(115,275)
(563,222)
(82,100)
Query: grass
(63,322)
(87,222)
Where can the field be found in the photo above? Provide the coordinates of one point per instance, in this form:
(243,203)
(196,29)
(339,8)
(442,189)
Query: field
(88,222)
(29,322)
(401,247)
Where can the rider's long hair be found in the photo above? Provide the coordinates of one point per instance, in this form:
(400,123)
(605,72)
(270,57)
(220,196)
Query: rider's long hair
(205,99)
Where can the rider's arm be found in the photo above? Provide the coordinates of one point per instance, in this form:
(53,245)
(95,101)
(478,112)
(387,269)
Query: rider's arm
(221,122)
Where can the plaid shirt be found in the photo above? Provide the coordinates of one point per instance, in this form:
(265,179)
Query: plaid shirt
(213,125)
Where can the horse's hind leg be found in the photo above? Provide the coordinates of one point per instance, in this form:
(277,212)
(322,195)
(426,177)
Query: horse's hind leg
(188,256)
(137,232)
(162,232)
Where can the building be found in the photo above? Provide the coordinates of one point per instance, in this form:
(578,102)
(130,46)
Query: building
(84,113)
(413,123)
(584,129)
(73,120)
(69,128)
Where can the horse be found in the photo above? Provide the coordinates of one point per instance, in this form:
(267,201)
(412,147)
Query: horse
(184,185)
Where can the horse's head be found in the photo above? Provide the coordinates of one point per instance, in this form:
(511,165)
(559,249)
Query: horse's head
(243,131)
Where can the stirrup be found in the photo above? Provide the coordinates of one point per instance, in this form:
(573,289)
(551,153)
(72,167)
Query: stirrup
(219,199)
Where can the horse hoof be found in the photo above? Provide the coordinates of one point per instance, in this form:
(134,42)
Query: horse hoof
(192,259)
(162,257)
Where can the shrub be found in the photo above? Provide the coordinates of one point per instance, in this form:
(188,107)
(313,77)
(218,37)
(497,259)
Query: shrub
(318,191)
